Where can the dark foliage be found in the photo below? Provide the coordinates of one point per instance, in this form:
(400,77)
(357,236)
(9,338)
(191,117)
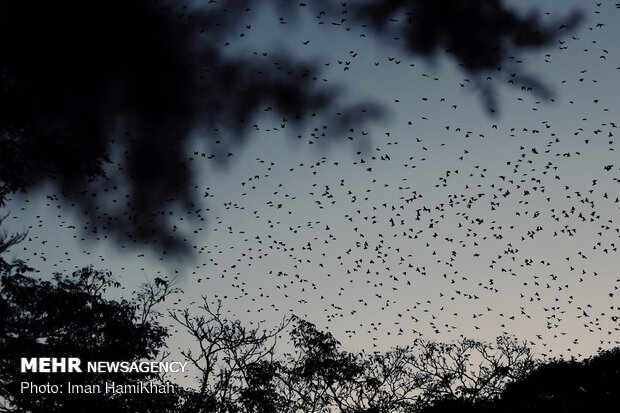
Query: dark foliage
(80,81)
(83,79)
(568,386)
(69,317)
(241,371)
(481,35)
(7,241)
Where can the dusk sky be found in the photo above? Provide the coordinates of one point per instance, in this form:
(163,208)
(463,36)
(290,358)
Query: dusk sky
(438,219)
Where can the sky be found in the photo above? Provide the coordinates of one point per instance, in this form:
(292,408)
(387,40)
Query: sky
(438,221)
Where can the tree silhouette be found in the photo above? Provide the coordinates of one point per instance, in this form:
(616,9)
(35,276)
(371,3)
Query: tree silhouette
(235,363)
(81,81)
(240,370)
(69,317)
(318,375)
(590,385)
(567,386)
(6,242)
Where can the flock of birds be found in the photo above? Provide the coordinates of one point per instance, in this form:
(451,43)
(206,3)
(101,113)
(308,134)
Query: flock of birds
(447,224)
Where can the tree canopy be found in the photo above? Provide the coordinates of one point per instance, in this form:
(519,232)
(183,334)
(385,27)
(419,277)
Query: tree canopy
(243,369)
(71,317)
(82,81)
